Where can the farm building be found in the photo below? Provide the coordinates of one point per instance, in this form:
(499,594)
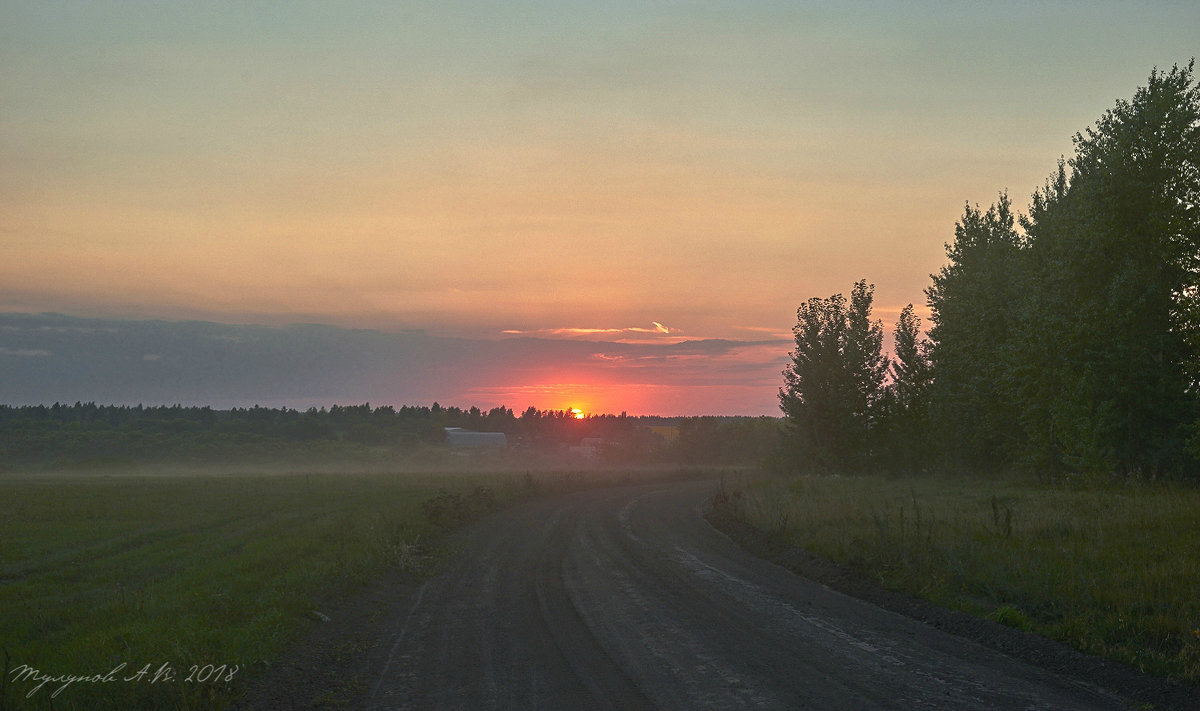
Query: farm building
(458,438)
(589,447)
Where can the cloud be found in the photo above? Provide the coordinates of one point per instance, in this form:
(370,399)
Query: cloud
(769,331)
(197,362)
(585,332)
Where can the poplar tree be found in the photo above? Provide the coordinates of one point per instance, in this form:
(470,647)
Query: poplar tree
(833,386)
(1115,257)
(972,300)
(906,412)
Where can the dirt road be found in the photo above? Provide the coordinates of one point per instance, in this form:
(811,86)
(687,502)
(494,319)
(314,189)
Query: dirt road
(627,599)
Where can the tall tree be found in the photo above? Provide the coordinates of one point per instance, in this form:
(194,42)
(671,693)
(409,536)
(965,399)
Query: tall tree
(834,383)
(911,372)
(972,301)
(864,352)
(1115,255)
(906,407)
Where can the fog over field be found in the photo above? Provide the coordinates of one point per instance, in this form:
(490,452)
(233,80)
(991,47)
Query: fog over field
(683,355)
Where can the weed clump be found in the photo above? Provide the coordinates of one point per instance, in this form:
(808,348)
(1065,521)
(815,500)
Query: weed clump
(450,510)
(1109,572)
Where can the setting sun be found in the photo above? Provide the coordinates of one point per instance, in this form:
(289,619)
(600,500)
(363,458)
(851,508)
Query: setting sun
(577,413)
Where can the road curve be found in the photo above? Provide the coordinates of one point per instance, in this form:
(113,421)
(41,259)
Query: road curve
(626,598)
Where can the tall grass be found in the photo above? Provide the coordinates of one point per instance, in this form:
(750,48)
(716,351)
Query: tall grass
(99,571)
(1112,571)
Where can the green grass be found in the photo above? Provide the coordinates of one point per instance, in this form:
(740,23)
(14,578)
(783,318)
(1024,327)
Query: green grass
(96,571)
(1113,571)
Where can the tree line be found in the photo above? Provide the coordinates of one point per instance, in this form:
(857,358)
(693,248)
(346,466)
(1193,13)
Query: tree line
(87,433)
(1064,339)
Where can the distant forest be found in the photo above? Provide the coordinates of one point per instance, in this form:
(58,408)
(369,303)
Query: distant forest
(87,434)
(1064,341)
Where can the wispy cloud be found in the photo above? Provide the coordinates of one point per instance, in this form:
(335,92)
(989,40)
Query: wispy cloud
(127,362)
(585,332)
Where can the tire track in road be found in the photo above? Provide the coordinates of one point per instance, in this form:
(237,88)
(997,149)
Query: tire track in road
(625,598)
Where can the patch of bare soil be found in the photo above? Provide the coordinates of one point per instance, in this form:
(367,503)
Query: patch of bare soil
(1151,692)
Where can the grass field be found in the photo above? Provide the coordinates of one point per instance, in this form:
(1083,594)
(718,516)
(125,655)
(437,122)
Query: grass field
(196,570)
(1113,571)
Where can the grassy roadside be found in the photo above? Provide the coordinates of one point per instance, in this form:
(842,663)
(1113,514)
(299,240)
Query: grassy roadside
(1114,572)
(197,570)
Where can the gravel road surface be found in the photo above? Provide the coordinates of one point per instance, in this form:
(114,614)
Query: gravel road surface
(626,598)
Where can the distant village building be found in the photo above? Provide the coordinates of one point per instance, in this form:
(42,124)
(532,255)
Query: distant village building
(588,448)
(458,438)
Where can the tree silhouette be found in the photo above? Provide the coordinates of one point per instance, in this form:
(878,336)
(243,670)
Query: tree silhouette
(834,384)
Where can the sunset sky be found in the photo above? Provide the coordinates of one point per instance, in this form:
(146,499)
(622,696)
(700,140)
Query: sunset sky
(665,181)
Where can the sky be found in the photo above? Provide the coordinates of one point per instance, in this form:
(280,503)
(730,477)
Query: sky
(623,175)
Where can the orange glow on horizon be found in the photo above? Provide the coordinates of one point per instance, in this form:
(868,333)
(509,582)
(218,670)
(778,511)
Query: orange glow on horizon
(634,398)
